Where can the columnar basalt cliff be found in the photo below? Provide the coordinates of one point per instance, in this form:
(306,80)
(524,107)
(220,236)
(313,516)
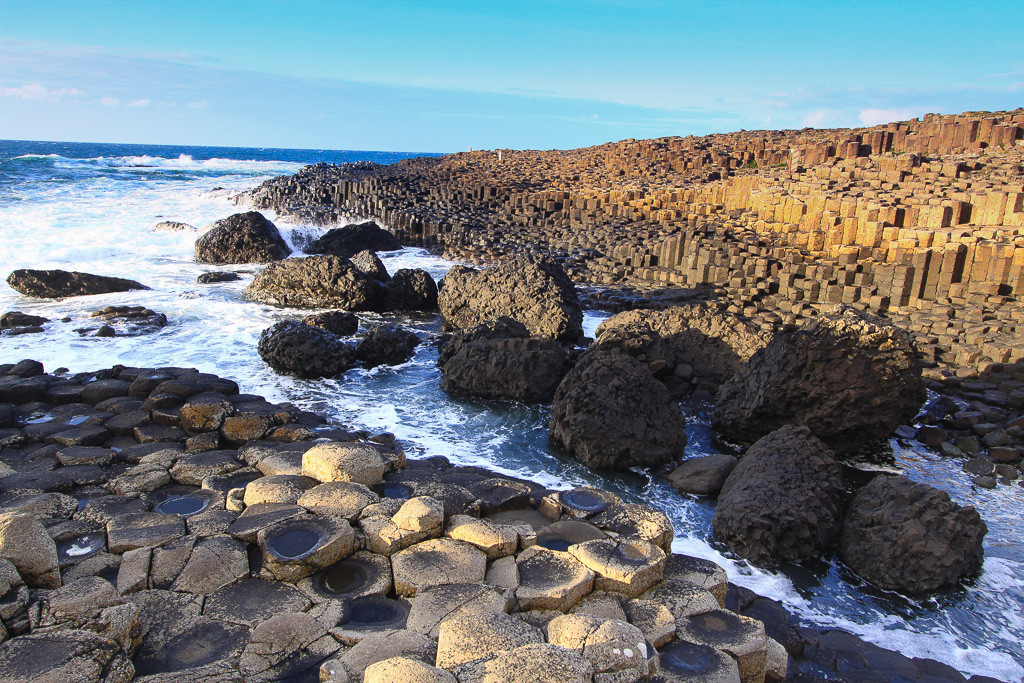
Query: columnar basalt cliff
(921,220)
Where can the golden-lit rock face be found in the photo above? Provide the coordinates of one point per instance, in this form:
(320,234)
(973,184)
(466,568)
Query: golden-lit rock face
(919,220)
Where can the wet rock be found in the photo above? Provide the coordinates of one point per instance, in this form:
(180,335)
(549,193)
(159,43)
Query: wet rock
(13,320)
(361,574)
(610,411)
(316,282)
(635,521)
(368,262)
(292,348)
(349,240)
(340,323)
(905,536)
(368,615)
(285,645)
(130,321)
(783,501)
(386,345)
(25,544)
(258,517)
(65,656)
(241,238)
(217,276)
(172,226)
(528,370)
(685,662)
(296,548)
(533,290)
(699,572)
(411,289)
(851,377)
(704,475)
(56,284)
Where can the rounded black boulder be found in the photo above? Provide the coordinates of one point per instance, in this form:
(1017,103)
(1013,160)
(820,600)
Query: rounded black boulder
(527,370)
(293,348)
(783,501)
(411,289)
(386,345)
(56,284)
(850,376)
(242,238)
(368,262)
(349,240)
(909,537)
(531,289)
(610,411)
(341,323)
(316,282)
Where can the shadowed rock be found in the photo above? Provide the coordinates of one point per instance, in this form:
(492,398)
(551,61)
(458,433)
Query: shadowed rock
(349,240)
(55,284)
(292,348)
(242,238)
(316,282)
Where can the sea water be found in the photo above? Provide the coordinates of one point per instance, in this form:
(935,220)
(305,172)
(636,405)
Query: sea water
(92,208)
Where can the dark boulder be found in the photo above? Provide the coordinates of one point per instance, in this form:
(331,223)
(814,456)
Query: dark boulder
(316,282)
(129,321)
(341,323)
(531,289)
(292,348)
(368,262)
(242,238)
(411,289)
(349,240)
(502,328)
(386,345)
(527,370)
(217,276)
(14,319)
(714,344)
(783,501)
(909,537)
(610,411)
(55,284)
(702,476)
(850,376)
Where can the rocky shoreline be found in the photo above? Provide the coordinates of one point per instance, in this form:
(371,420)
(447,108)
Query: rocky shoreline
(158,524)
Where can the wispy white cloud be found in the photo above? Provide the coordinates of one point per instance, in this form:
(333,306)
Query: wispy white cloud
(873,117)
(137,103)
(198,104)
(110,102)
(37,91)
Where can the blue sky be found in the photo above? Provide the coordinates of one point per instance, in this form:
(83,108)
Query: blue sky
(445,76)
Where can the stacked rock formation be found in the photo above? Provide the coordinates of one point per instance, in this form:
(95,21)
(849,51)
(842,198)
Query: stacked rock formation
(920,220)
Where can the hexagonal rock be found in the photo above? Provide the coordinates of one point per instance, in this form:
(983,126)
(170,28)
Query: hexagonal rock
(255,518)
(405,670)
(422,513)
(213,564)
(277,488)
(654,619)
(26,544)
(535,663)
(434,606)
(140,479)
(383,646)
(638,521)
(205,413)
(682,598)
(285,645)
(338,498)
(629,567)
(578,503)
(294,549)
(470,637)
(700,572)
(437,562)
(65,656)
(609,645)
(683,662)
(741,638)
(496,540)
(192,469)
(252,601)
(551,580)
(355,462)
(142,529)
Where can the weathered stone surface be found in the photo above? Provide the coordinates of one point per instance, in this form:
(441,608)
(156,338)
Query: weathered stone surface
(349,240)
(294,549)
(55,284)
(358,463)
(25,544)
(368,262)
(340,323)
(241,238)
(79,656)
(294,348)
(850,377)
(379,647)
(213,564)
(469,637)
(905,536)
(629,567)
(285,645)
(742,638)
(783,501)
(528,370)
(610,411)
(534,663)
(703,476)
(551,580)
(316,282)
(405,670)
(433,606)
(340,498)
(535,291)
(411,289)
(251,602)
(386,345)
(611,646)
(437,562)
(141,529)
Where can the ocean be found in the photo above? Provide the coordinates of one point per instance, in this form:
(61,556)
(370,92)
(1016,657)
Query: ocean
(92,208)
